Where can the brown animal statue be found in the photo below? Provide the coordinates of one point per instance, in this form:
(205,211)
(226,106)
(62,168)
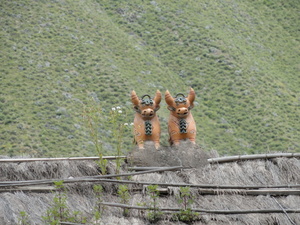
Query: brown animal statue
(146,123)
(181,122)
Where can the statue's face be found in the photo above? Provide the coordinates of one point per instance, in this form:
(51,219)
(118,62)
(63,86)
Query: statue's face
(180,105)
(146,106)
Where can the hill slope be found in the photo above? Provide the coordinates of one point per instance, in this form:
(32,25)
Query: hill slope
(241,57)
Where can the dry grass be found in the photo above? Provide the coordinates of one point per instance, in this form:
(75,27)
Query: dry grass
(277,171)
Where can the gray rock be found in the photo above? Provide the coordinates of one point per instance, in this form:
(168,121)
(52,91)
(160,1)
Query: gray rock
(186,154)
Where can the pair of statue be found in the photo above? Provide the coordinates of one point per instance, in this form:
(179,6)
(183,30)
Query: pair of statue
(181,123)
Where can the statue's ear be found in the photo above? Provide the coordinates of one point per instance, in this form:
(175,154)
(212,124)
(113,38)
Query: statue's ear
(134,98)
(157,100)
(169,99)
(191,97)
(157,97)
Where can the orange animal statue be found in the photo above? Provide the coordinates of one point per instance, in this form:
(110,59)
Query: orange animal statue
(181,122)
(146,123)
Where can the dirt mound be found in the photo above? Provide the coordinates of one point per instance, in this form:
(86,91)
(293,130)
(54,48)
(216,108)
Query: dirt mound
(186,154)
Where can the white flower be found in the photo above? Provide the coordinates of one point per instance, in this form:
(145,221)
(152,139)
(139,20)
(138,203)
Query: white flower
(118,107)
(131,124)
(120,111)
(125,124)
(113,108)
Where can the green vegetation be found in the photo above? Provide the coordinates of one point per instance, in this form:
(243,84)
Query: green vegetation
(99,208)
(185,199)
(116,115)
(125,196)
(23,218)
(154,214)
(240,56)
(92,116)
(59,211)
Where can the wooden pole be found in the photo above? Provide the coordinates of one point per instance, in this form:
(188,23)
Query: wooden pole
(251,157)
(136,168)
(69,223)
(100,180)
(83,179)
(249,192)
(59,159)
(204,210)
(166,191)
(210,189)
(30,188)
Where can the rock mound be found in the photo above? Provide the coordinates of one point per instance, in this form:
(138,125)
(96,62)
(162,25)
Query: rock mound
(186,154)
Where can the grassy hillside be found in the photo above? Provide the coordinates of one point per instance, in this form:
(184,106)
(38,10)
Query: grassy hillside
(241,57)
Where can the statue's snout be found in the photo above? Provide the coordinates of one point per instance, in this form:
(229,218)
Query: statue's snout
(147,113)
(182,111)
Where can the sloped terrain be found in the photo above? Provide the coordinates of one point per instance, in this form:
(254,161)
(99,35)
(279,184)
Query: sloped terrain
(241,57)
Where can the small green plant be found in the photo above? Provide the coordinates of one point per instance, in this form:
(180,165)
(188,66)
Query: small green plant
(59,212)
(98,209)
(117,114)
(92,115)
(23,219)
(185,199)
(125,196)
(141,212)
(77,217)
(154,214)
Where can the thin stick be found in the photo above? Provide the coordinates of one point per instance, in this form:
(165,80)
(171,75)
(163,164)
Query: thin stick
(143,168)
(203,210)
(284,210)
(100,180)
(30,188)
(59,159)
(249,192)
(69,223)
(83,179)
(276,192)
(251,157)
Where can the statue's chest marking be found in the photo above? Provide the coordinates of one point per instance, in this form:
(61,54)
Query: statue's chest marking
(182,125)
(148,127)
